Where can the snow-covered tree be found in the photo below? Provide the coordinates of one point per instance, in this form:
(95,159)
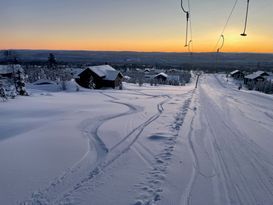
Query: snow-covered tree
(3,94)
(20,82)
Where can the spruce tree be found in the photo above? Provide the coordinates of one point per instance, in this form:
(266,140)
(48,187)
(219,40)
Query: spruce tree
(20,82)
(51,61)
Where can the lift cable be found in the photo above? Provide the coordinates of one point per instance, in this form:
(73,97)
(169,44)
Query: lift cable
(190,47)
(226,24)
(187,22)
(191,39)
(246,18)
(222,45)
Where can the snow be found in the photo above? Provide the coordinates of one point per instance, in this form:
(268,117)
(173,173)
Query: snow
(44,85)
(261,73)
(6,69)
(256,75)
(43,81)
(233,72)
(105,71)
(162,74)
(142,145)
(253,76)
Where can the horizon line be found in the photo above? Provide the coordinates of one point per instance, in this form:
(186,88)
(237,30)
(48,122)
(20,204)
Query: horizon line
(131,51)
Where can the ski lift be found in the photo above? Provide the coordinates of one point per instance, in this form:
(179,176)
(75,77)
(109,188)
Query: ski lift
(189,47)
(222,45)
(246,18)
(187,22)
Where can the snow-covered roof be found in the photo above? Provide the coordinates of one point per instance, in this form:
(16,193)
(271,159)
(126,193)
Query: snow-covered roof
(7,69)
(256,75)
(233,72)
(261,72)
(162,74)
(105,71)
(253,76)
(147,70)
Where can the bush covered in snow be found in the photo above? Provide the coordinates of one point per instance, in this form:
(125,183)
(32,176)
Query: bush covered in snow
(12,81)
(7,90)
(263,86)
(3,94)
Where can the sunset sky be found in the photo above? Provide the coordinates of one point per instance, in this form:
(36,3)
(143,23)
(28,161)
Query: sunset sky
(139,25)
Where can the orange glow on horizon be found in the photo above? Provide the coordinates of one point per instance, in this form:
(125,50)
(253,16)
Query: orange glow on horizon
(110,46)
(233,43)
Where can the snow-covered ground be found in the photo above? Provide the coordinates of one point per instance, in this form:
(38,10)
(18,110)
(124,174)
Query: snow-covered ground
(141,145)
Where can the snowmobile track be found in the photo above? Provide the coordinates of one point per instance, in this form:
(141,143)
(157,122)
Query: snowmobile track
(115,152)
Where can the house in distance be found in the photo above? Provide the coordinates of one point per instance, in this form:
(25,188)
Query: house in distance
(161,77)
(96,77)
(256,77)
(237,74)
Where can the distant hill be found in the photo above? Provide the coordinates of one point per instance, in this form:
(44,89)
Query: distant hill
(145,57)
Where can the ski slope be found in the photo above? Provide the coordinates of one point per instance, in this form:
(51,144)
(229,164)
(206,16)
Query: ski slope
(142,145)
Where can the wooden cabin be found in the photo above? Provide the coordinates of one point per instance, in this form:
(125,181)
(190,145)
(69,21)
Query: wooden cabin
(256,77)
(237,74)
(96,77)
(161,77)
(253,78)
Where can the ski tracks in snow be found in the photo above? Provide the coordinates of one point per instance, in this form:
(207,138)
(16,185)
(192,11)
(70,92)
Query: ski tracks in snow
(151,188)
(195,151)
(244,169)
(89,129)
(115,153)
(240,170)
(60,191)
